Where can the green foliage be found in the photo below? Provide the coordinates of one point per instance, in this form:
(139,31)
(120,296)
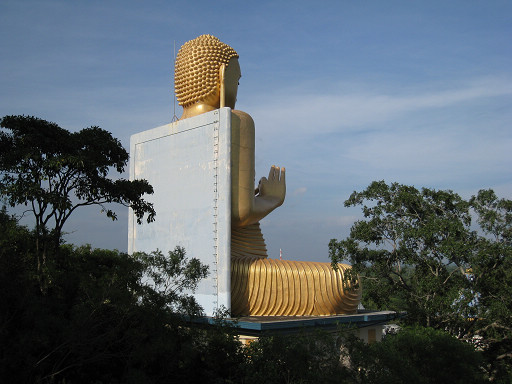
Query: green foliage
(168,278)
(491,274)
(415,243)
(100,320)
(494,215)
(217,354)
(417,251)
(414,355)
(54,172)
(303,358)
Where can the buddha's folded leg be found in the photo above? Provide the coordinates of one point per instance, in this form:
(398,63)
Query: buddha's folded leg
(268,287)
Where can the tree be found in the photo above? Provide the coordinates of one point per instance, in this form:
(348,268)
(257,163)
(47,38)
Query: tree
(416,251)
(100,320)
(299,358)
(414,355)
(54,172)
(169,277)
(491,273)
(415,243)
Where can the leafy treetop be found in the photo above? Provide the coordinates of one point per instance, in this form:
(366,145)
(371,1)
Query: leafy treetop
(417,251)
(54,171)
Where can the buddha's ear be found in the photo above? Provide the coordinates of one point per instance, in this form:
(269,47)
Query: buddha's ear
(222,89)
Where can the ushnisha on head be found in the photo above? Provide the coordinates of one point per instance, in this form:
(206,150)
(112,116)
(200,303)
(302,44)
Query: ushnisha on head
(197,69)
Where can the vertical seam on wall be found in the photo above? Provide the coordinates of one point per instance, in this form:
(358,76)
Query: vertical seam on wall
(215,205)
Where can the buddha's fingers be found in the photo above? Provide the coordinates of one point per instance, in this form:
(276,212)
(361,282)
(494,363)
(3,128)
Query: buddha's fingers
(272,173)
(261,185)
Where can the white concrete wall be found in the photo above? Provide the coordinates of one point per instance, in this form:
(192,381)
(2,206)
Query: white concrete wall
(188,165)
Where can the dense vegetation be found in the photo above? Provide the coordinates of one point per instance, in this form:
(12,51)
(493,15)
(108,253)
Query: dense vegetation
(82,315)
(99,322)
(444,260)
(52,172)
(96,321)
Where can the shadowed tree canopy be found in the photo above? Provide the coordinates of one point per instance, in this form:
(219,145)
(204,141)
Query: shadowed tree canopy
(414,355)
(101,320)
(109,317)
(54,172)
(412,249)
(420,251)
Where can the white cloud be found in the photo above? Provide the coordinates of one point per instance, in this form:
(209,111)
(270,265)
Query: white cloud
(310,113)
(451,135)
(299,191)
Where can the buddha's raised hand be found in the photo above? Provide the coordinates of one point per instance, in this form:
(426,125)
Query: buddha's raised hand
(271,191)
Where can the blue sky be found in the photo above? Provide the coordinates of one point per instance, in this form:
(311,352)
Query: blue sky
(342,93)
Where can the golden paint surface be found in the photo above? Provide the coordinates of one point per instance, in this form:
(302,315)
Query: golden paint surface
(196,72)
(267,287)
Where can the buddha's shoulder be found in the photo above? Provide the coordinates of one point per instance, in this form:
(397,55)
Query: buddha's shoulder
(242,116)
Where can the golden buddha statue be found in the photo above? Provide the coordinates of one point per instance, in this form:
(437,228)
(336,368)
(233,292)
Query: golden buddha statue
(207,73)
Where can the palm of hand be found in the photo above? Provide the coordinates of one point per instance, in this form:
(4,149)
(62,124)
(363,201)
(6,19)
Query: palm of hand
(273,188)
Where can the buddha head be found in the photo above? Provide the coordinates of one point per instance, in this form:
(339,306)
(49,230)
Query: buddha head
(203,67)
